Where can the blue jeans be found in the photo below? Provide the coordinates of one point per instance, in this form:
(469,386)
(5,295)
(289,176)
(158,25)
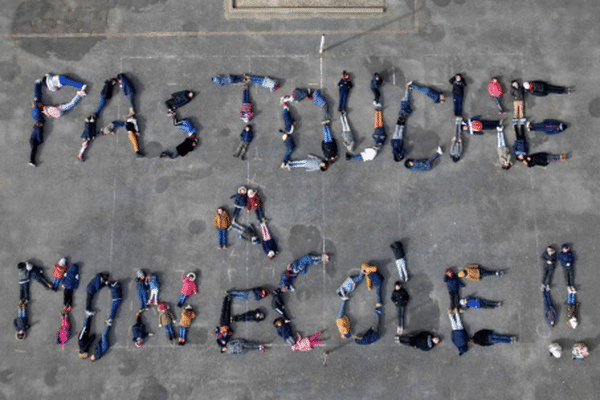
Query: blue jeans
(343,99)
(67,81)
(101,105)
(222,237)
(301,265)
(327,134)
(240,294)
(378,283)
(183,330)
(114,307)
(571,298)
(430,92)
(497,338)
(357,157)
(246,96)
(222,80)
(67,106)
(379,136)
(290,146)
(458,103)
(549,126)
(55,283)
(320,101)
(143,297)
(182,299)
(405,104)
(24,291)
(349,284)
(342,311)
(169,330)
(287,119)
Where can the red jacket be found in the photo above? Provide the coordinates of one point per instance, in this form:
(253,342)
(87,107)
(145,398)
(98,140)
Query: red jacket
(188,286)
(59,271)
(254,202)
(495,89)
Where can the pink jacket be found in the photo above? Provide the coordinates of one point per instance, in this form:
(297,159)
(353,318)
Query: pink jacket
(303,344)
(64,333)
(188,286)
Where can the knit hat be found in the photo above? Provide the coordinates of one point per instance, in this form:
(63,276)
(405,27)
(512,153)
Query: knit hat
(251,192)
(242,189)
(63,261)
(448,270)
(139,343)
(527,85)
(346,76)
(192,276)
(188,307)
(163,306)
(140,274)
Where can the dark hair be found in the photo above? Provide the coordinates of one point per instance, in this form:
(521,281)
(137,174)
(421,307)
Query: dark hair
(455,158)
(397,283)
(324,167)
(21,265)
(407,162)
(506,167)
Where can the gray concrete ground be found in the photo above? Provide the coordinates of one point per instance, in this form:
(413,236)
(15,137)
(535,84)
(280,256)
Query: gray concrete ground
(117,213)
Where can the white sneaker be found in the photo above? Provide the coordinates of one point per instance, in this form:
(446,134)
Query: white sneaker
(439,150)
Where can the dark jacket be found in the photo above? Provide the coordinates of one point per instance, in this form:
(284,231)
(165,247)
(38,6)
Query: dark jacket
(247,135)
(517,94)
(458,87)
(179,99)
(285,332)
(460,338)
(96,284)
(344,85)
(566,259)
(329,149)
(453,284)
(400,297)
(398,250)
(138,331)
(421,340)
(188,145)
(376,84)
(107,89)
(482,337)
(116,292)
(537,159)
(71,279)
(549,257)
(89,130)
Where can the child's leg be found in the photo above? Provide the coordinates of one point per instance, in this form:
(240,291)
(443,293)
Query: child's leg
(68,81)
(182,299)
(327,134)
(133,138)
(342,311)
(84,146)
(501,141)
(67,106)
(101,105)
